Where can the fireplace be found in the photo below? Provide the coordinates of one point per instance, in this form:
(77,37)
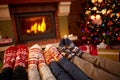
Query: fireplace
(38,21)
(35,23)
(35,26)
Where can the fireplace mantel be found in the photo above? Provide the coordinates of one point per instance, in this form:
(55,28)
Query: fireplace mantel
(30,1)
(58,8)
(63,6)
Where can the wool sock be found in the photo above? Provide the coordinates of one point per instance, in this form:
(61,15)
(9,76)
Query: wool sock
(62,45)
(53,52)
(8,63)
(19,72)
(44,70)
(34,53)
(71,46)
(21,56)
(9,57)
(68,54)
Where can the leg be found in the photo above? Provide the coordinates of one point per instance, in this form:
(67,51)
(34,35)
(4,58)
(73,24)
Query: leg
(74,71)
(92,71)
(56,69)
(8,63)
(19,72)
(44,70)
(33,57)
(106,64)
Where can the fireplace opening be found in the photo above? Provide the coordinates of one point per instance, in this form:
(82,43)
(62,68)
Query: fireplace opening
(35,26)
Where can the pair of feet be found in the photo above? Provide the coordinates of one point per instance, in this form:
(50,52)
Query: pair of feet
(67,46)
(15,56)
(35,56)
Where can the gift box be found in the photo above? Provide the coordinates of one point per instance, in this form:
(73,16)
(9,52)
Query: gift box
(109,53)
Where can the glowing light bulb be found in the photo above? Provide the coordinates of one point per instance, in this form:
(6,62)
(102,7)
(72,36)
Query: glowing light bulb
(92,17)
(98,16)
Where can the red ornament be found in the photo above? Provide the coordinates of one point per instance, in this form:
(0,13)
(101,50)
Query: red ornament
(118,38)
(84,38)
(86,30)
(110,23)
(116,29)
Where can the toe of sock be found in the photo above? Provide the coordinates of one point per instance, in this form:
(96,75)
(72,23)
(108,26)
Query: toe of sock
(62,43)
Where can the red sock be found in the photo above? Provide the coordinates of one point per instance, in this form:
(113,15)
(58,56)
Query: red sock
(9,57)
(21,56)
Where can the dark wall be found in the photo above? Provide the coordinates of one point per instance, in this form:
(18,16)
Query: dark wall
(77,8)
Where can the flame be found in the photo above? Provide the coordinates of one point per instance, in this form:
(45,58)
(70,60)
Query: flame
(37,27)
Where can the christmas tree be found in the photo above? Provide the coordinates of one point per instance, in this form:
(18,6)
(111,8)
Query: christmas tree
(101,21)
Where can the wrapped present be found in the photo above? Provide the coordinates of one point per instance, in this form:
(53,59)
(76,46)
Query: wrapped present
(109,53)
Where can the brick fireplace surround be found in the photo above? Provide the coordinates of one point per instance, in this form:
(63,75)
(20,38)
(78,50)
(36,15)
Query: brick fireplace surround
(60,7)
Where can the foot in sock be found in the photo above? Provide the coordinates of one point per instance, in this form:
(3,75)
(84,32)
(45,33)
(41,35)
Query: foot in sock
(71,46)
(9,57)
(69,43)
(8,63)
(21,56)
(53,52)
(48,58)
(62,45)
(19,72)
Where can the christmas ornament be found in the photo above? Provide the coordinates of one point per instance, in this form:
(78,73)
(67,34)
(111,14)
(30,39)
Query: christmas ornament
(84,38)
(118,38)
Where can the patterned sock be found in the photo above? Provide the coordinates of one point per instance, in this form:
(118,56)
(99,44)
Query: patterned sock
(19,72)
(65,51)
(73,48)
(61,45)
(53,52)
(69,43)
(21,56)
(9,57)
(44,70)
(48,58)
(33,57)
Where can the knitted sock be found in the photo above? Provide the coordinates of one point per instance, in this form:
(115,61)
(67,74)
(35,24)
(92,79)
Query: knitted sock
(21,56)
(34,54)
(53,52)
(44,70)
(8,63)
(73,48)
(68,54)
(19,72)
(62,45)
(48,58)
(69,43)
(9,57)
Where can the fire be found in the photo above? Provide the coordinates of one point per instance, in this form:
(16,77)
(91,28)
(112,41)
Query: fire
(37,27)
